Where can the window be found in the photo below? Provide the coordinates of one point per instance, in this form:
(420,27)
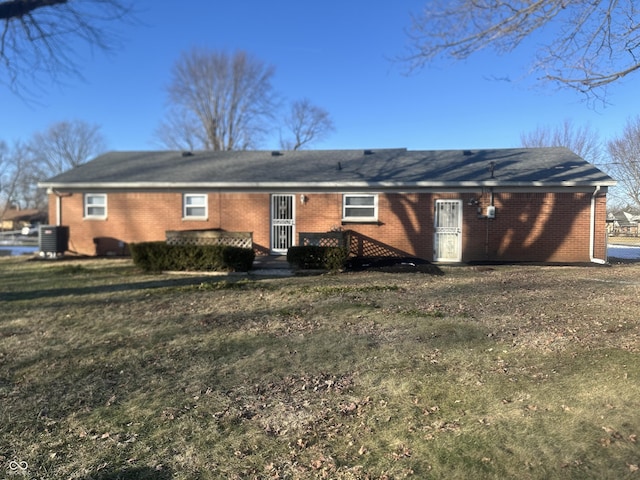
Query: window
(359,208)
(195,206)
(95,205)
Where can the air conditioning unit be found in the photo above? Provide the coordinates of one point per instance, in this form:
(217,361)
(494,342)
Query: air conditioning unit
(53,240)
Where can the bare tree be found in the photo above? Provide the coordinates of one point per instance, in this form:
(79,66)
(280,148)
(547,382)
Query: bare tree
(27,174)
(3,157)
(596,42)
(62,146)
(65,145)
(180,131)
(37,37)
(18,175)
(11,171)
(229,98)
(307,123)
(5,193)
(624,155)
(584,141)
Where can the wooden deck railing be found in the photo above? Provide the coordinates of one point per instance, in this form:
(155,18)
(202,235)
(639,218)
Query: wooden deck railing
(210,237)
(326,239)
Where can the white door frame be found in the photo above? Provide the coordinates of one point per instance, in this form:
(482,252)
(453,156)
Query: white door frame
(283,222)
(447,238)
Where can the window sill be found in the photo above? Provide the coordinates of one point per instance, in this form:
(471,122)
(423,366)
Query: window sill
(195,219)
(361,222)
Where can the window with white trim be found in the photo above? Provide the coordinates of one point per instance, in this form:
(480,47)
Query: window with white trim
(95,205)
(194,206)
(359,207)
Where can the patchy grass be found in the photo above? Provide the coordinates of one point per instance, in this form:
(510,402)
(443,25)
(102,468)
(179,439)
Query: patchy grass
(511,372)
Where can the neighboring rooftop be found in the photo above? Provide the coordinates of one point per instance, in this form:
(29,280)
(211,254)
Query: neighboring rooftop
(384,168)
(21,214)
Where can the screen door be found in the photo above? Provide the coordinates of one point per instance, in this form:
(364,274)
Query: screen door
(447,243)
(282,223)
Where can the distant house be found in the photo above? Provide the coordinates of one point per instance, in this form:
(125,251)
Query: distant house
(622,223)
(15,219)
(514,205)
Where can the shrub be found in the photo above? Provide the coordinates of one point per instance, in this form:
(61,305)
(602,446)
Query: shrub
(315,257)
(158,256)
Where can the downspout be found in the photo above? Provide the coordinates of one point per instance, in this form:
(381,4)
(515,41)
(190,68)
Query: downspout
(59,197)
(592,229)
(58,210)
(486,240)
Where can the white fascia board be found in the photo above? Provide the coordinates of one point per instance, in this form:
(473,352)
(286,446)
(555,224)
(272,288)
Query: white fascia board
(309,186)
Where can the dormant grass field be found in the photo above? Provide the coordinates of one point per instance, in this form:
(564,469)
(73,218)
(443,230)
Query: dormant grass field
(523,372)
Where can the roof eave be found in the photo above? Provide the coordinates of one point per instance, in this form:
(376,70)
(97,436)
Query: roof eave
(313,185)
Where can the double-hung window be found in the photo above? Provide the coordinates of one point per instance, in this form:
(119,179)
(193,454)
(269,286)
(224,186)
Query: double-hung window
(194,206)
(359,207)
(95,205)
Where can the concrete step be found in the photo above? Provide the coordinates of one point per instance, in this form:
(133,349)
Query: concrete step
(271,262)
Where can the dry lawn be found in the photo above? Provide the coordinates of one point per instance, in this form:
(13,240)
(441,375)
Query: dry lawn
(521,372)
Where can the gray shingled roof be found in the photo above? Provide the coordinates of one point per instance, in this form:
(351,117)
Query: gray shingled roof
(385,168)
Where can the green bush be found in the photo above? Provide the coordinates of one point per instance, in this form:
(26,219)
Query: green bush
(158,256)
(314,257)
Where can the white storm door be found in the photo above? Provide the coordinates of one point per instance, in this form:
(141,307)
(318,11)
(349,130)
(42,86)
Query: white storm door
(447,244)
(282,223)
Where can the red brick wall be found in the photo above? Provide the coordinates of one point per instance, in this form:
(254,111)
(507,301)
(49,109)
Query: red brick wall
(546,227)
(600,235)
(528,226)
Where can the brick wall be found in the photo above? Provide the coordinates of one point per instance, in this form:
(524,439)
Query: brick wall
(528,226)
(547,227)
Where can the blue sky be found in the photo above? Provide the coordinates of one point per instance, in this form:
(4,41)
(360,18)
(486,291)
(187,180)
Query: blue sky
(339,55)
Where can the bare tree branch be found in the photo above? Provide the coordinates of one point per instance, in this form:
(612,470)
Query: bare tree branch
(37,38)
(583,141)
(18,8)
(624,153)
(596,42)
(181,131)
(307,123)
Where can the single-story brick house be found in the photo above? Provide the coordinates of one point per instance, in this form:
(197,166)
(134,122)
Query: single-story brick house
(516,205)
(623,223)
(15,219)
